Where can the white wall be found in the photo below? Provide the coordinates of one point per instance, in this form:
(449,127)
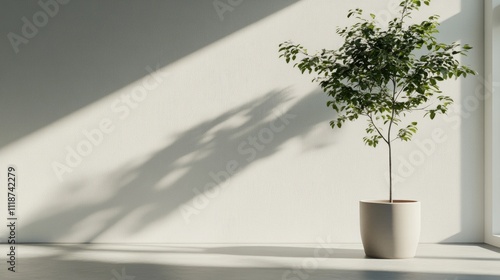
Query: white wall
(219,84)
(492,110)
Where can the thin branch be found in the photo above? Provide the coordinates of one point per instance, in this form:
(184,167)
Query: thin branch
(393,110)
(420,109)
(377,129)
(403,13)
(401,90)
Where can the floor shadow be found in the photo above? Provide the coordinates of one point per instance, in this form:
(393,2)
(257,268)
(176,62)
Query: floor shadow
(491,248)
(249,250)
(461,258)
(53,268)
(92,48)
(210,146)
(470,257)
(289,252)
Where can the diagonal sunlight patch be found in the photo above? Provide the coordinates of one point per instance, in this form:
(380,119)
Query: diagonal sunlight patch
(82,153)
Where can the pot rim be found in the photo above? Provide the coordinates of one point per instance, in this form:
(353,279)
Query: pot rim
(395,201)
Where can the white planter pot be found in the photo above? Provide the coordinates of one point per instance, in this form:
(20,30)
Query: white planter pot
(390,230)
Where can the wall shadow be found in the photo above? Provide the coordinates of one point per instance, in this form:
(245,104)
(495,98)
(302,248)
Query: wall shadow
(92,48)
(207,156)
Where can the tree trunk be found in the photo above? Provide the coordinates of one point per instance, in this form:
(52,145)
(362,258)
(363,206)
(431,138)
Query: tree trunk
(390,172)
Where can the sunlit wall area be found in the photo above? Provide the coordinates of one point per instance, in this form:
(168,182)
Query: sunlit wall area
(177,122)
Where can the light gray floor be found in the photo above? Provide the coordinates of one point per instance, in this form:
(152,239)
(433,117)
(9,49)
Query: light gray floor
(256,262)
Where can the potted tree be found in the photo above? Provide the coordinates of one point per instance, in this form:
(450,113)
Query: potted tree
(383,74)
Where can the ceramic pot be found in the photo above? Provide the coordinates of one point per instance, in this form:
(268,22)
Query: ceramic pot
(390,230)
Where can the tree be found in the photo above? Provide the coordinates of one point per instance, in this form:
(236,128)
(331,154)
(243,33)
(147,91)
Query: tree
(383,74)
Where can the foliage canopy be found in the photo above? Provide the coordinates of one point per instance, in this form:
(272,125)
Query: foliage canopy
(383,73)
